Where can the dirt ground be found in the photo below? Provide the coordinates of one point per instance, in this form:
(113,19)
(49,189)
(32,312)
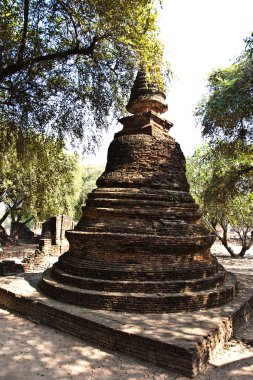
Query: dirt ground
(30,351)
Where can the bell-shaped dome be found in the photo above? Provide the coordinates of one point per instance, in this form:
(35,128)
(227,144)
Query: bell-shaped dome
(146,96)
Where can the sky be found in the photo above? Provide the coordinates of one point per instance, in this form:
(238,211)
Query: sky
(199,37)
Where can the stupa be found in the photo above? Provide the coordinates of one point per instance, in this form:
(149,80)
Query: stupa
(140,245)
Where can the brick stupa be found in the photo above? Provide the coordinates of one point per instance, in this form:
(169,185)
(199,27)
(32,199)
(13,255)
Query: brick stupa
(140,245)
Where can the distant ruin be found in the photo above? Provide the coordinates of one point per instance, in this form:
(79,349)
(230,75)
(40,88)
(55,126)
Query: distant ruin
(53,240)
(52,243)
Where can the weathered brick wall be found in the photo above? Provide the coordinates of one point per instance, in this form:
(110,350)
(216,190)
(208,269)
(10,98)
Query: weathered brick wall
(53,239)
(141,226)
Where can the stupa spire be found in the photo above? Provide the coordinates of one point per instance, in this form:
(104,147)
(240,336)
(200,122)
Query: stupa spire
(146,96)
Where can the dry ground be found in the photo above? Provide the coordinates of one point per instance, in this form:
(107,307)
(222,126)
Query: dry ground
(31,351)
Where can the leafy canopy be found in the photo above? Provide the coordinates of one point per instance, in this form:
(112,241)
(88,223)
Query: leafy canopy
(37,178)
(66,66)
(224,192)
(88,177)
(226,113)
(216,179)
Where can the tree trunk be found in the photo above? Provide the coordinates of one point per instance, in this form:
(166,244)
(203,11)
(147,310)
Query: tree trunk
(224,240)
(4,238)
(14,230)
(228,248)
(246,243)
(243,251)
(4,217)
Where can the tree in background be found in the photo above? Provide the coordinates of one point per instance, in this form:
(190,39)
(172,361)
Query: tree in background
(226,114)
(225,186)
(66,66)
(89,177)
(37,179)
(224,193)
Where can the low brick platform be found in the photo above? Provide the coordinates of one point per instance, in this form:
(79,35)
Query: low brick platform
(181,342)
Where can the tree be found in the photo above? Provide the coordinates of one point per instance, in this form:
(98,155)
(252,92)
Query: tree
(241,219)
(89,177)
(37,179)
(65,67)
(224,194)
(226,113)
(226,116)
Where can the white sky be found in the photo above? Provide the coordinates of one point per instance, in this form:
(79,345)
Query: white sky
(199,36)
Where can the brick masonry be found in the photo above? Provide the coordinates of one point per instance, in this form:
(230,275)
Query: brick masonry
(53,240)
(140,244)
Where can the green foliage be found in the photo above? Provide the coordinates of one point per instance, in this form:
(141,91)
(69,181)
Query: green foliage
(226,113)
(66,67)
(224,191)
(36,178)
(198,170)
(89,177)
(226,170)
(241,212)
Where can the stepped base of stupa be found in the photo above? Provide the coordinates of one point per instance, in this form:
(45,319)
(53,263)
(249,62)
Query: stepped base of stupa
(142,297)
(165,267)
(182,342)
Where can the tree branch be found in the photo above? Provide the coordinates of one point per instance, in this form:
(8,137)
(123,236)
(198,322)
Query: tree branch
(4,217)
(19,66)
(25,27)
(28,220)
(1,60)
(223,239)
(65,8)
(245,170)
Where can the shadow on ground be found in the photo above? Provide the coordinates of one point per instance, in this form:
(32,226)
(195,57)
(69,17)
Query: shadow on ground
(31,351)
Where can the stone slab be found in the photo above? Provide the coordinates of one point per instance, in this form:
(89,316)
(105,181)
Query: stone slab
(182,342)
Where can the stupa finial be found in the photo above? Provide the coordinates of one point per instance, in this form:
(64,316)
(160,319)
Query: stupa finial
(146,96)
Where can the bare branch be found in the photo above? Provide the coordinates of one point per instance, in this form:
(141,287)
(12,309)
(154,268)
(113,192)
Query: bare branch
(28,220)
